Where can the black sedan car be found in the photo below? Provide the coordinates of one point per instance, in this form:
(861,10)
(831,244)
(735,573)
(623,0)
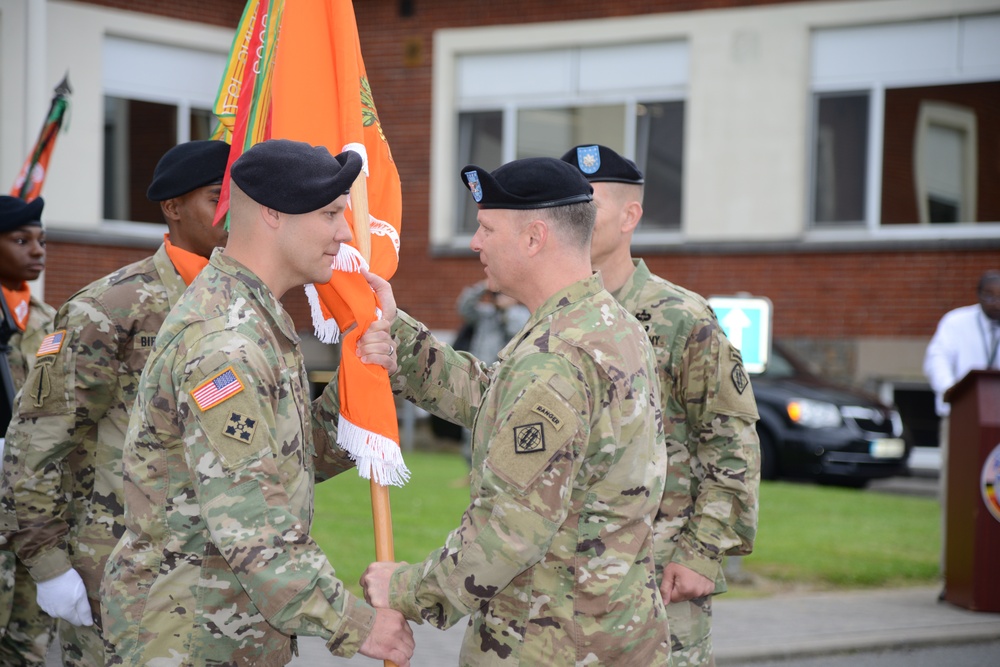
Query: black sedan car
(810,427)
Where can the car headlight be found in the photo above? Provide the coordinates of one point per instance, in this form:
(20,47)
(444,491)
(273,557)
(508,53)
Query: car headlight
(813,414)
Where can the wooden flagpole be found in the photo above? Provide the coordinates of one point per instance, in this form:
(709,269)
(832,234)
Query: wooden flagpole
(381,512)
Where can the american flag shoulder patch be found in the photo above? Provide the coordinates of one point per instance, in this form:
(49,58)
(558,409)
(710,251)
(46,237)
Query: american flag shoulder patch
(52,343)
(218,388)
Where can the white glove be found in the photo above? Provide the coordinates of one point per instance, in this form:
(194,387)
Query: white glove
(65,597)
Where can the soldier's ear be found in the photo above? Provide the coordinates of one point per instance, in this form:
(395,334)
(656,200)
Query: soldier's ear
(270,216)
(169,209)
(632,216)
(535,235)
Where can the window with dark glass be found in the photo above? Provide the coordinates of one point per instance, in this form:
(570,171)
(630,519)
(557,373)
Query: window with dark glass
(136,135)
(840,158)
(940,156)
(550,131)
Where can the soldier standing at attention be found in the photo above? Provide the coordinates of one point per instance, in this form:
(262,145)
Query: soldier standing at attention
(216,565)
(25,630)
(553,558)
(709,506)
(66,438)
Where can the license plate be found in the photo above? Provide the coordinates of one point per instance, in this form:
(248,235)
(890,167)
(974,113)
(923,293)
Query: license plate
(887,448)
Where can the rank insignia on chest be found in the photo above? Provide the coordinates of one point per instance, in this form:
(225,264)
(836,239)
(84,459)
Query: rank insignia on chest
(217,389)
(529,438)
(240,427)
(740,379)
(52,343)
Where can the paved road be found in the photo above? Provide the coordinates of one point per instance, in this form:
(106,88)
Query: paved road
(979,654)
(922,485)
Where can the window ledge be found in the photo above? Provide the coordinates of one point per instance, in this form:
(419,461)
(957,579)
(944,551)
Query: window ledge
(982,236)
(895,233)
(116,233)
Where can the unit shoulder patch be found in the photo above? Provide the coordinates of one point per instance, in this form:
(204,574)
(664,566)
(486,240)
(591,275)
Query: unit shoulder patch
(740,379)
(540,425)
(240,427)
(529,438)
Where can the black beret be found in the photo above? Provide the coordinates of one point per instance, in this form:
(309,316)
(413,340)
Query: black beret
(187,167)
(294,177)
(529,183)
(15,212)
(600,164)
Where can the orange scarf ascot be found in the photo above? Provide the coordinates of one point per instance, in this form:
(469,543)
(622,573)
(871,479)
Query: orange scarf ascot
(18,303)
(187,263)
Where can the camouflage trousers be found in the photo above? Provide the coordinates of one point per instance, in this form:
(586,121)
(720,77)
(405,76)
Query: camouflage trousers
(82,646)
(25,630)
(691,633)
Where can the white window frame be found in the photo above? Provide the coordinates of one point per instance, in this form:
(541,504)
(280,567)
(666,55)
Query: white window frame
(963,120)
(873,58)
(145,71)
(580,40)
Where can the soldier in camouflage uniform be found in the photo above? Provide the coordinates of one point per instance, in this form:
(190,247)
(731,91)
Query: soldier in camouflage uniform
(25,630)
(553,558)
(67,435)
(216,565)
(709,507)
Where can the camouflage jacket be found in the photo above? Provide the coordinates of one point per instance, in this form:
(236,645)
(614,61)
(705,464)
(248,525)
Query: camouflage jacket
(21,359)
(216,566)
(553,556)
(709,506)
(64,449)
(24,344)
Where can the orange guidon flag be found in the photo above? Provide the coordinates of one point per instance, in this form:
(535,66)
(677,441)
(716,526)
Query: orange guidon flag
(320,94)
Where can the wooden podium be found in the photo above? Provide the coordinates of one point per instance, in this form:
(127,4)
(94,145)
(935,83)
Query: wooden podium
(972,543)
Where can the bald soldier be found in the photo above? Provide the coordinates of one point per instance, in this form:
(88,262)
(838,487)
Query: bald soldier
(553,558)
(64,449)
(25,630)
(216,565)
(709,506)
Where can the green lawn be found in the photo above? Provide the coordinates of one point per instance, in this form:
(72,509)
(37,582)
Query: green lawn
(833,537)
(423,513)
(809,535)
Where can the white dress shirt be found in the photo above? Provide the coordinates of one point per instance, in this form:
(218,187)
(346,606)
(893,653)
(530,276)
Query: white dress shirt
(965,340)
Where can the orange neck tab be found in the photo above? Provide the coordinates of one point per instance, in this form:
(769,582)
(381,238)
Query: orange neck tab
(19,304)
(187,263)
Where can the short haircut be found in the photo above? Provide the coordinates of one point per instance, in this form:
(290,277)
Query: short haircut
(988,278)
(575,222)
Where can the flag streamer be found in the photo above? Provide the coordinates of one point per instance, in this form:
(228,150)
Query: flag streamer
(31,178)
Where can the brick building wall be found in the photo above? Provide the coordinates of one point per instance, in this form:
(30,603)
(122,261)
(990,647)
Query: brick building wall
(72,265)
(817,294)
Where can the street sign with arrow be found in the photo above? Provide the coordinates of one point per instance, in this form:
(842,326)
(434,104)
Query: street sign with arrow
(747,322)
